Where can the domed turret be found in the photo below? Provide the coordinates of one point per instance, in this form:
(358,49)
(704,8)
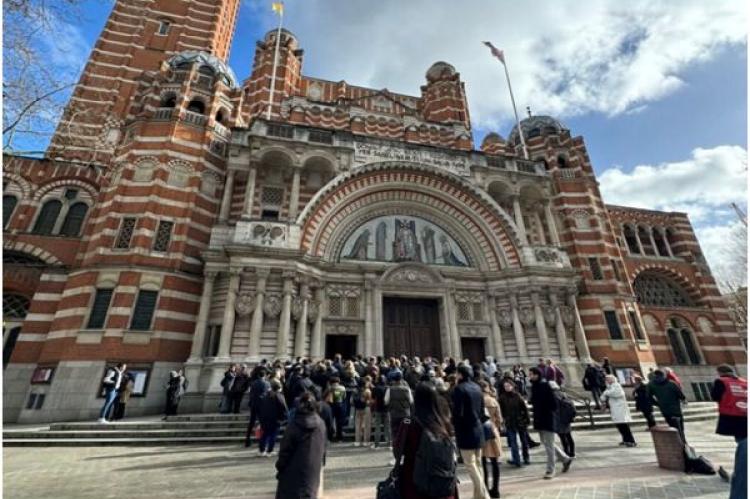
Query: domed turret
(534,126)
(287,37)
(219,67)
(440,71)
(493,143)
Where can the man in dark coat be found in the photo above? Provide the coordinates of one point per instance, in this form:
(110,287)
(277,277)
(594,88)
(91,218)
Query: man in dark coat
(730,392)
(272,412)
(302,452)
(593,381)
(238,389)
(546,421)
(258,389)
(468,413)
(668,396)
(643,401)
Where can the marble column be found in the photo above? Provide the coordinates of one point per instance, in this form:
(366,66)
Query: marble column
(247,209)
(562,335)
(201,322)
(453,326)
(580,334)
(518,328)
(541,327)
(256,326)
(377,307)
(301,333)
(369,326)
(539,228)
(226,200)
(316,341)
(294,198)
(518,216)
(497,335)
(551,225)
(282,338)
(227,325)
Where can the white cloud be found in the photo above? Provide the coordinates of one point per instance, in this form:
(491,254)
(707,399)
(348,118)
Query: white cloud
(703,187)
(566,58)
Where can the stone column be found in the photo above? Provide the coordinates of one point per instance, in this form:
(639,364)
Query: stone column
(247,209)
(256,326)
(301,333)
(453,326)
(540,228)
(377,321)
(282,338)
(554,236)
(294,198)
(226,200)
(518,328)
(227,325)
(518,215)
(369,326)
(541,327)
(497,335)
(580,335)
(316,341)
(562,335)
(201,322)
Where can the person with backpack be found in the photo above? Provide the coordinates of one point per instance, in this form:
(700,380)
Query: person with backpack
(362,402)
(336,398)
(669,397)
(380,415)
(273,411)
(593,381)
(730,392)
(565,416)
(111,384)
(399,400)
(545,421)
(614,397)
(516,419)
(258,389)
(468,413)
(643,401)
(427,456)
(492,450)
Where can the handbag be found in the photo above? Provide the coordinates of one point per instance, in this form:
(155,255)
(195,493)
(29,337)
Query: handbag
(489,430)
(390,488)
(258,433)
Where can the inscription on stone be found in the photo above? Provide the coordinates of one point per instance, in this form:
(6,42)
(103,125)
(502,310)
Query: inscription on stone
(375,151)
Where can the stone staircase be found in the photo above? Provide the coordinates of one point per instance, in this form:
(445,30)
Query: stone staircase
(211,429)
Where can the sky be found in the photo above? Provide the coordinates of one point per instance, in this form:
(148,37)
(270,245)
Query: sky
(658,89)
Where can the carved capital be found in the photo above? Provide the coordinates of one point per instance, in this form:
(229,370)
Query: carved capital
(272,305)
(245,303)
(527,315)
(504,318)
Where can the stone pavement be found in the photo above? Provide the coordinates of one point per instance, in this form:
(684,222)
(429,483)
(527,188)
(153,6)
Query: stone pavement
(602,470)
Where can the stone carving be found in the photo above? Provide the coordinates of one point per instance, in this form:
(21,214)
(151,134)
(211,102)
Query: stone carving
(527,316)
(567,315)
(245,304)
(296,308)
(549,315)
(261,233)
(504,318)
(313,310)
(272,305)
(375,151)
(343,328)
(546,255)
(474,331)
(410,276)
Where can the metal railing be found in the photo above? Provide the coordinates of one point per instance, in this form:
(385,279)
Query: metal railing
(195,118)
(164,113)
(583,400)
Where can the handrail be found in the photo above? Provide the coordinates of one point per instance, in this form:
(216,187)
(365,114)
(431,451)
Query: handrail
(582,399)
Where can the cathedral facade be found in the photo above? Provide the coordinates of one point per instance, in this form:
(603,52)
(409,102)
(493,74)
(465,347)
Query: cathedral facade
(177,223)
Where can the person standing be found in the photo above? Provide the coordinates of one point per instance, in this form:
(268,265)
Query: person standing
(123,397)
(272,412)
(176,386)
(336,397)
(545,421)
(730,392)
(258,389)
(302,452)
(468,411)
(668,397)
(554,373)
(492,450)
(643,401)
(399,400)
(515,415)
(381,417)
(225,406)
(593,381)
(565,417)
(238,389)
(614,397)
(607,367)
(112,380)
(362,402)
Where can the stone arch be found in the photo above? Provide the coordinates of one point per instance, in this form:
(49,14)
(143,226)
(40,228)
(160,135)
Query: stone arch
(671,274)
(25,187)
(491,227)
(30,249)
(47,187)
(318,159)
(270,153)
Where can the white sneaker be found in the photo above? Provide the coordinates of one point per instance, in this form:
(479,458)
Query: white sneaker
(356,444)
(271,454)
(262,454)
(392,462)
(102,421)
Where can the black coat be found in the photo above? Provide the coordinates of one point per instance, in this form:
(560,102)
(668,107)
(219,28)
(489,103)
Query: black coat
(593,378)
(272,411)
(468,412)
(545,406)
(301,458)
(258,389)
(643,401)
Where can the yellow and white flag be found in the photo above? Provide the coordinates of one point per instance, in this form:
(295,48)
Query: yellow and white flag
(278,7)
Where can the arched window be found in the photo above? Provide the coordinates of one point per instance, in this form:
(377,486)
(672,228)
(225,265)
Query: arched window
(9,204)
(196,106)
(220,116)
(658,291)
(168,100)
(661,243)
(562,162)
(631,239)
(74,220)
(644,234)
(682,341)
(47,218)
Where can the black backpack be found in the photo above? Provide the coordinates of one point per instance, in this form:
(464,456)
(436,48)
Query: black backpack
(567,411)
(697,464)
(435,466)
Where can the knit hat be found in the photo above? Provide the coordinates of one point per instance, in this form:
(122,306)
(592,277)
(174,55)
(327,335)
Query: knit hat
(725,369)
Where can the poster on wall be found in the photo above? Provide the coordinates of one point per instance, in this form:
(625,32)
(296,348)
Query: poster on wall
(139,375)
(625,375)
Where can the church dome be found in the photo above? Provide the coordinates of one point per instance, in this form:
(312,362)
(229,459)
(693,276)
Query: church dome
(219,67)
(493,143)
(440,71)
(534,126)
(286,35)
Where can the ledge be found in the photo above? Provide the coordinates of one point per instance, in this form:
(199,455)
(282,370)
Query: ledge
(89,336)
(137,337)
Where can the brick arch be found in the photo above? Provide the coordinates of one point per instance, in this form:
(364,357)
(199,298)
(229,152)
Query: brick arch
(32,250)
(25,186)
(672,274)
(44,188)
(488,224)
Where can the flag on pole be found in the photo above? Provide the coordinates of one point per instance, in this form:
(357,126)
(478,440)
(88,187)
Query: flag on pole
(496,52)
(278,7)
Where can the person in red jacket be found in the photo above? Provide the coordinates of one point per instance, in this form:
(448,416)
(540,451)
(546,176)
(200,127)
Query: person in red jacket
(730,391)
(672,376)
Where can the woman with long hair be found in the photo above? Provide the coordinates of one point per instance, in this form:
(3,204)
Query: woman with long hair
(492,450)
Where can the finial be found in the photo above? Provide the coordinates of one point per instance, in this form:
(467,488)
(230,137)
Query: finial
(528,111)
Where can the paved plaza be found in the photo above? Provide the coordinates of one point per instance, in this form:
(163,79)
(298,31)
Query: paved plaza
(602,470)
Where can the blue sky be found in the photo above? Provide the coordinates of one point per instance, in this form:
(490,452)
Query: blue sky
(658,90)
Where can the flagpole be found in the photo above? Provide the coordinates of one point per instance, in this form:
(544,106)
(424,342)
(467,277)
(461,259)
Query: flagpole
(513,101)
(275,65)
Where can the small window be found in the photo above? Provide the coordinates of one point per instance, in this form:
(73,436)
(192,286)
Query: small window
(163,27)
(9,204)
(692,351)
(169,100)
(99,308)
(74,220)
(352,306)
(320,136)
(196,106)
(284,131)
(596,269)
(270,202)
(613,324)
(674,341)
(477,308)
(636,326)
(334,306)
(15,306)
(464,312)
(127,226)
(71,194)
(47,218)
(144,310)
(615,269)
(213,335)
(163,235)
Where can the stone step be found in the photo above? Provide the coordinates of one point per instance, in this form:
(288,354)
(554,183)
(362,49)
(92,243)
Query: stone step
(146,425)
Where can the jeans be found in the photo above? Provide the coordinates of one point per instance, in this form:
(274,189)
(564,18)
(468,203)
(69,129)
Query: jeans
(109,399)
(382,424)
(471,461)
(268,439)
(362,425)
(738,489)
(552,449)
(339,415)
(568,444)
(513,436)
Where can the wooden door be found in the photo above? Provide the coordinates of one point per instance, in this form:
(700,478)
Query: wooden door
(411,327)
(473,349)
(343,344)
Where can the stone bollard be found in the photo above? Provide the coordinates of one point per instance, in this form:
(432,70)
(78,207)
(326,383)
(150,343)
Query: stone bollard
(670,451)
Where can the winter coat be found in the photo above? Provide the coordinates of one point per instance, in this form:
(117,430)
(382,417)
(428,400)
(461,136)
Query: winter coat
(545,406)
(643,401)
(593,378)
(258,389)
(228,381)
(614,395)
(301,457)
(514,410)
(411,444)
(735,426)
(566,413)
(272,411)
(493,448)
(378,395)
(468,411)
(668,396)
(399,405)
(241,384)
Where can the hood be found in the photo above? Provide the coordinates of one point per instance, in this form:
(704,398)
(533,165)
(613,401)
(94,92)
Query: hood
(306,421)
(660,378)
